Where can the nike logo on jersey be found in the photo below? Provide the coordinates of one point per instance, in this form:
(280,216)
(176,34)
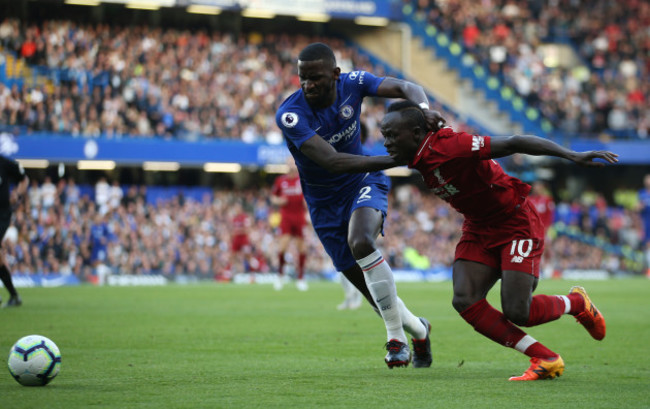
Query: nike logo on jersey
(379,300)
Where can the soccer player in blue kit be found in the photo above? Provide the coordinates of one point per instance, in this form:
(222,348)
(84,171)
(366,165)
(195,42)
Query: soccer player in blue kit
(347,204)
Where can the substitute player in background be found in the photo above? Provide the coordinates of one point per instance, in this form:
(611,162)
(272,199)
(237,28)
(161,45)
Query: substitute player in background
(503,235)
(240,245)
(287,195)
(543,203)
(10,172)
(320,124)
(545,206)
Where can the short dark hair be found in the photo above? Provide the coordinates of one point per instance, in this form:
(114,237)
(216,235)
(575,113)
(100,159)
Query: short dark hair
(410,111)
(317,51)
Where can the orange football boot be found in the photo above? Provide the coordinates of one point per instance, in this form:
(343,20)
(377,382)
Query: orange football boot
(590,318)
(541,369)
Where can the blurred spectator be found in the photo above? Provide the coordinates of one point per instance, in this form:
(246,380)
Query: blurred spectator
(72,192)
(48,193)
(102,194)
(610,92)
(198,237)
(115,195)
(139,81)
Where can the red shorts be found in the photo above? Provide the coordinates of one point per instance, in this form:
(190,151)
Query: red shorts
(239,243)
(515,244)
(292,226)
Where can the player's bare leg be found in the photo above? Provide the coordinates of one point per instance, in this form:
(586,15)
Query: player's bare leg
(472,281)
(352,299)
(283,244)
(301,283)
(5,277)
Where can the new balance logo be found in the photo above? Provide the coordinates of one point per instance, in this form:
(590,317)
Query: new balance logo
(541,371)
(517,259)
(477,142)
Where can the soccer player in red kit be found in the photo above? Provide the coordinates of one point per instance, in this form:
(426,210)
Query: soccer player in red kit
(545,206)
(503,235)
(240,245)
(543,203)
(287,194)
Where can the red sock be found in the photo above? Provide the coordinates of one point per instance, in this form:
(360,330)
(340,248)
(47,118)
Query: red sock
(301,265)
(538,350)
(281,263)
(577,303)
(493,324)
(545,308)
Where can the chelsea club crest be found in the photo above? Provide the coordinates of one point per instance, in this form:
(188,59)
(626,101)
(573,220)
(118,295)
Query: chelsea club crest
(346,112)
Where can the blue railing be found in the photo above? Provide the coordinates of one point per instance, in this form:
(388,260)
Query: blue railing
(457,59)
(391,70)
(634,259)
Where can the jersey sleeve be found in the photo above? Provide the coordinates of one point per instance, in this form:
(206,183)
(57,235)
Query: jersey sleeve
(294,126)
(464,145)
(365,82)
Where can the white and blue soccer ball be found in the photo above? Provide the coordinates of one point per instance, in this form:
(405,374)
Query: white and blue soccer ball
(34,360)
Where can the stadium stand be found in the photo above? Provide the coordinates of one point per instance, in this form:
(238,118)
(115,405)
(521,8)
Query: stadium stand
(99,80)
(607,91)
(185,232)
(59,77)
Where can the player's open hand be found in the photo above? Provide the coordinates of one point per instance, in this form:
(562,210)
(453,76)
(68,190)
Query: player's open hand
(434,119)
(587,158)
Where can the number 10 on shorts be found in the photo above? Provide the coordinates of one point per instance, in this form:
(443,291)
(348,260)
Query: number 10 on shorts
(520,249)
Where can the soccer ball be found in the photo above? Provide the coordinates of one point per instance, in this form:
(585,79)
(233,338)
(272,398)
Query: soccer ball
(34,360)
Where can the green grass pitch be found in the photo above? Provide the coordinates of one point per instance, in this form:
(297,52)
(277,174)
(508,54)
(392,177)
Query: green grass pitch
(248,346)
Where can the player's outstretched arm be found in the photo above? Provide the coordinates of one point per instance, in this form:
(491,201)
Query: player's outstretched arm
(321,152)
(395,88)
(534,145)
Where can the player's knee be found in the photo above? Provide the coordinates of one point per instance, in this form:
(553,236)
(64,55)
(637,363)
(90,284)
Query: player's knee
(461,302)
(516,315)
(361,245)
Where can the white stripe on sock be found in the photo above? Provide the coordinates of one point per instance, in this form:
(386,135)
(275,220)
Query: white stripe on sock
(524,343)
(370,259)
(567,303)
(381,285)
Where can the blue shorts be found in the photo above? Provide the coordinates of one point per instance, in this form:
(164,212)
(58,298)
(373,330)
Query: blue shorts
(331,220)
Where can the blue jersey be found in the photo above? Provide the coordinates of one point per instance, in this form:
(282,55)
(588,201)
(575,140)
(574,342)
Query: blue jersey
(338,124)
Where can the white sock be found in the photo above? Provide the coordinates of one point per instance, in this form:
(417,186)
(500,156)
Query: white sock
(410,322)
(379,279)
(567,303)
(348,287)
(524,343)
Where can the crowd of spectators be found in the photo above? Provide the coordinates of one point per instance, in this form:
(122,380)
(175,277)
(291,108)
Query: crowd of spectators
(60,229)
(611,91)
(142,81)
(145,81)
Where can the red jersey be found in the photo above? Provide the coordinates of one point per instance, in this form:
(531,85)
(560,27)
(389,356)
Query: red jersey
(545,207)
(289,187)
(240,224)
(457,167)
